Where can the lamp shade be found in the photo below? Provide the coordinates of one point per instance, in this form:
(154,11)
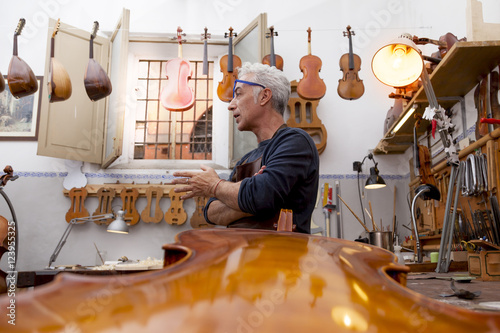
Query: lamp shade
(398,63)
(119,225)
(374,181)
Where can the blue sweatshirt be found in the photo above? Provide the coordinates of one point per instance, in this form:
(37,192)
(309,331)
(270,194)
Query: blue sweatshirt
(289,181)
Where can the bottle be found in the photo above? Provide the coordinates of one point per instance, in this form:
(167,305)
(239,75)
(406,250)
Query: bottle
(398,254)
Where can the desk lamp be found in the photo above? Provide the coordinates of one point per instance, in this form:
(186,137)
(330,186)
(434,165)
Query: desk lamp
(398,64)
(427,191)
(117,226)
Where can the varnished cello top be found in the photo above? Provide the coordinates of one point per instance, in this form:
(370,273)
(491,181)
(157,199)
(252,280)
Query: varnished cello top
(247,281)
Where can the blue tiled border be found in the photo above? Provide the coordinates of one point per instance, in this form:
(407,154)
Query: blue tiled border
(145,177)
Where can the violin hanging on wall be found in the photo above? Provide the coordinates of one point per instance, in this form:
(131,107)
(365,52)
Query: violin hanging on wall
(350,86)
(227,65)
(21,79)
(97,82)
(311,86)
(59,83)
(273,59)
(177,95)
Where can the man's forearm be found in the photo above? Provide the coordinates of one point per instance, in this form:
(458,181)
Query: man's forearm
(220,214)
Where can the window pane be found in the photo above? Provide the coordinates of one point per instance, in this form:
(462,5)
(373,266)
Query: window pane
(143,69)
(154,69)
(193,127)
(153,89)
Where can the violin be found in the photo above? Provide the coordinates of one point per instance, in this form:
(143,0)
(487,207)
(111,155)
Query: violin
(237,280)
(205,36)
(227,65)
(311,86)
(177,95)
(97,83)
(480,96)
(273,59)
(59,83)
(21,79)
(350,86)
(422,157)
(494,105)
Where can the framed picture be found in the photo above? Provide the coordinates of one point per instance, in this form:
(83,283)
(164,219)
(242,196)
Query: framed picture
(19,118)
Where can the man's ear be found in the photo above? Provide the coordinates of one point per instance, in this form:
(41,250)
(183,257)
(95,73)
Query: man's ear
(265,96)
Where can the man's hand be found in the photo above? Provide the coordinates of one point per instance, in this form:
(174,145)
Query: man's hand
(262,168)
(198,183)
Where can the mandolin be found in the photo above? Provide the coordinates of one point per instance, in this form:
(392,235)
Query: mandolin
(97,82)
(350,86)
(311,86)
(2,83)
(273,59)
(59,83)
(177,95)
(227,65)
(21,79)
(205,36)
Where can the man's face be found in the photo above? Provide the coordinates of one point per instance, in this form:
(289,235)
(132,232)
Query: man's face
(243,105)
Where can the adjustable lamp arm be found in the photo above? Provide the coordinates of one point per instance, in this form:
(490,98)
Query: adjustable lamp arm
(71,224)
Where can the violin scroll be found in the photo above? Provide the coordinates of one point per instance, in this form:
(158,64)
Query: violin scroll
(9,175)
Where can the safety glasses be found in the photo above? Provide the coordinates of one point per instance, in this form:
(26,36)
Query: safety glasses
(247,82)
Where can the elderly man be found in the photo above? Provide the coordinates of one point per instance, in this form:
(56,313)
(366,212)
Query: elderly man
(281,173)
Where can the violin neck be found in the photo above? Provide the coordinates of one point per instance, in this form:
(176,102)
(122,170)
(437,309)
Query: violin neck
(351,56)
(52,47)
(309,48)
(230,55)
(91,48)
(205,58)
(179,51)
(273,57)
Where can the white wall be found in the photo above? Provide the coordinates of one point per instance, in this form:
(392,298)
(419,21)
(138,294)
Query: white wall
(354,127)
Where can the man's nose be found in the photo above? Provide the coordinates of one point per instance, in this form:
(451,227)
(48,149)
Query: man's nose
(231,106)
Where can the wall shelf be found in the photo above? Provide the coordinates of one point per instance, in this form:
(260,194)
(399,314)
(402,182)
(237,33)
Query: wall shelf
(457,74)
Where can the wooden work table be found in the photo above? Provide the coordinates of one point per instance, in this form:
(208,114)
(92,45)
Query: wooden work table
(26,279)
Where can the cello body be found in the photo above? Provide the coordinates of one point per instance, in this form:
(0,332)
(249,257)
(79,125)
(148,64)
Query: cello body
(237,280)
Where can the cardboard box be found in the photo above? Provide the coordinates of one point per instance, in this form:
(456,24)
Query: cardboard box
(484,265)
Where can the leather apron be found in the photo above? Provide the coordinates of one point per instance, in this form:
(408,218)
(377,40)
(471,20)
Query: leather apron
(245,170)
